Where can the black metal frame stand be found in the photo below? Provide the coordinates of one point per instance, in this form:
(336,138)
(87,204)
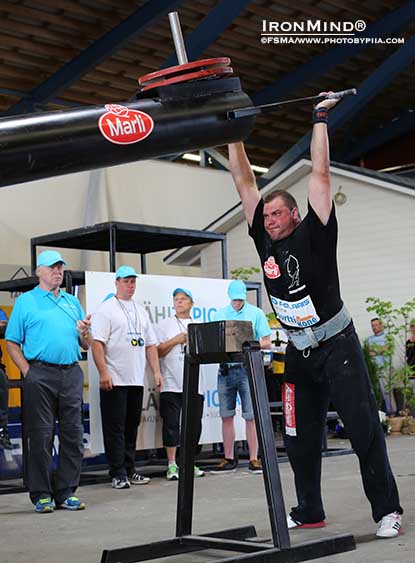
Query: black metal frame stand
(232,539)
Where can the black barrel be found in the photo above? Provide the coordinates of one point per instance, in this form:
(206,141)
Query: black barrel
(169,120)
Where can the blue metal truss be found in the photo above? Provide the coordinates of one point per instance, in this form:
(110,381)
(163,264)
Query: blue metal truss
(380,136)
(144,16)
(215,23)
(322,64)
(219,161)
(349,107)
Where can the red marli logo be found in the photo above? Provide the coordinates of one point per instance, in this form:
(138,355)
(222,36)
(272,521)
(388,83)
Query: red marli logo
(271,268)
(124,126)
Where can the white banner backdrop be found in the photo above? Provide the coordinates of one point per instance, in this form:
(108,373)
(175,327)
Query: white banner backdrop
(155,294)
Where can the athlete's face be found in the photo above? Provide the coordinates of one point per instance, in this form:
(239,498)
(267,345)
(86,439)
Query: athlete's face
(279,220)
(125,287)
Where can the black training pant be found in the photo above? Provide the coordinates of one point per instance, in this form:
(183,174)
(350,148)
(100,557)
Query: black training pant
(121,414)
(50,394)
(337,371)
(170,411)
(4,399)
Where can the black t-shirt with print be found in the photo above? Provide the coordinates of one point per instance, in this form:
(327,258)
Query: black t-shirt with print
(300,271)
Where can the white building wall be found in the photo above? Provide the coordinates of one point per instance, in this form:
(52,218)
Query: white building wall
(376,234)
(149,192)
(375,250)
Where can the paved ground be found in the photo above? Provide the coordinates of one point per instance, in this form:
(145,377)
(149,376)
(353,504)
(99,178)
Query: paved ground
(147,513)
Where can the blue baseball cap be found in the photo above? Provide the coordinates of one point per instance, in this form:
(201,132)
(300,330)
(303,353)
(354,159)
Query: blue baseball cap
(237,290)
(125,272)
(181,290)
(48,258)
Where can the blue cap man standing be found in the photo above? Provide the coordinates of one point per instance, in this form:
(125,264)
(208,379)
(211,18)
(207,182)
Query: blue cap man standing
(233,380)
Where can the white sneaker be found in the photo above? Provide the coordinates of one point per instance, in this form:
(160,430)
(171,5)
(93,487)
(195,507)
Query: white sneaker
(172,472)
(198,472)
(390,526)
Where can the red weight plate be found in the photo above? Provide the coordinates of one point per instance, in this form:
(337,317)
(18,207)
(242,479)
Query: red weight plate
(189,76)
(221,61)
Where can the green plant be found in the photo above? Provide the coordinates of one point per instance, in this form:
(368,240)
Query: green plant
(396,321)
(243,273)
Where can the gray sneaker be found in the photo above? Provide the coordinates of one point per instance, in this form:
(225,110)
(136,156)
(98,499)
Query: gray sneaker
(120,483)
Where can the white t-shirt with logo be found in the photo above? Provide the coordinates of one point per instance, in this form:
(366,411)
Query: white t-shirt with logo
(118,324)
(172,364)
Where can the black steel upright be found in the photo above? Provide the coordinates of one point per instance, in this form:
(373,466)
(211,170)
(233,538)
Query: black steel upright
(185,489)
(113,247)
(234,539)
(272,480)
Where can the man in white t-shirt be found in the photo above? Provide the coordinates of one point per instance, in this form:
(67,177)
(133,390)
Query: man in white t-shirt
(123,341)
(172,334)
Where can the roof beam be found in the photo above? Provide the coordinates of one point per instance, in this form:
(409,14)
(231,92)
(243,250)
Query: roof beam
(322,64)
(349,107)
(88,59)
(378,137)
(215,23)
(219,161)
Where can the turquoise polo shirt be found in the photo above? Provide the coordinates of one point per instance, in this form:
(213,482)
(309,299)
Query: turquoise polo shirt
(247,313)
(45,326)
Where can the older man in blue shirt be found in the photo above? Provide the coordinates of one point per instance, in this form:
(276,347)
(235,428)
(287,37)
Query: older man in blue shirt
(44,334)
(233,379)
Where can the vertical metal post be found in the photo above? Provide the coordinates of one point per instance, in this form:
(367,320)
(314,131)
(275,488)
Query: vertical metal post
(259,297)
(143,259)
(178,38)
(186,464)
(33,258)
(272,479)
(68,282)
(203,159)
(224,258)
(113,247)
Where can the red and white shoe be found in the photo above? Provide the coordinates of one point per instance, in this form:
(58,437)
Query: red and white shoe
(390,526)
(292,523)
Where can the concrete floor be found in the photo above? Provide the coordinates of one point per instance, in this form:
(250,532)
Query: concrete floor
(144,514)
